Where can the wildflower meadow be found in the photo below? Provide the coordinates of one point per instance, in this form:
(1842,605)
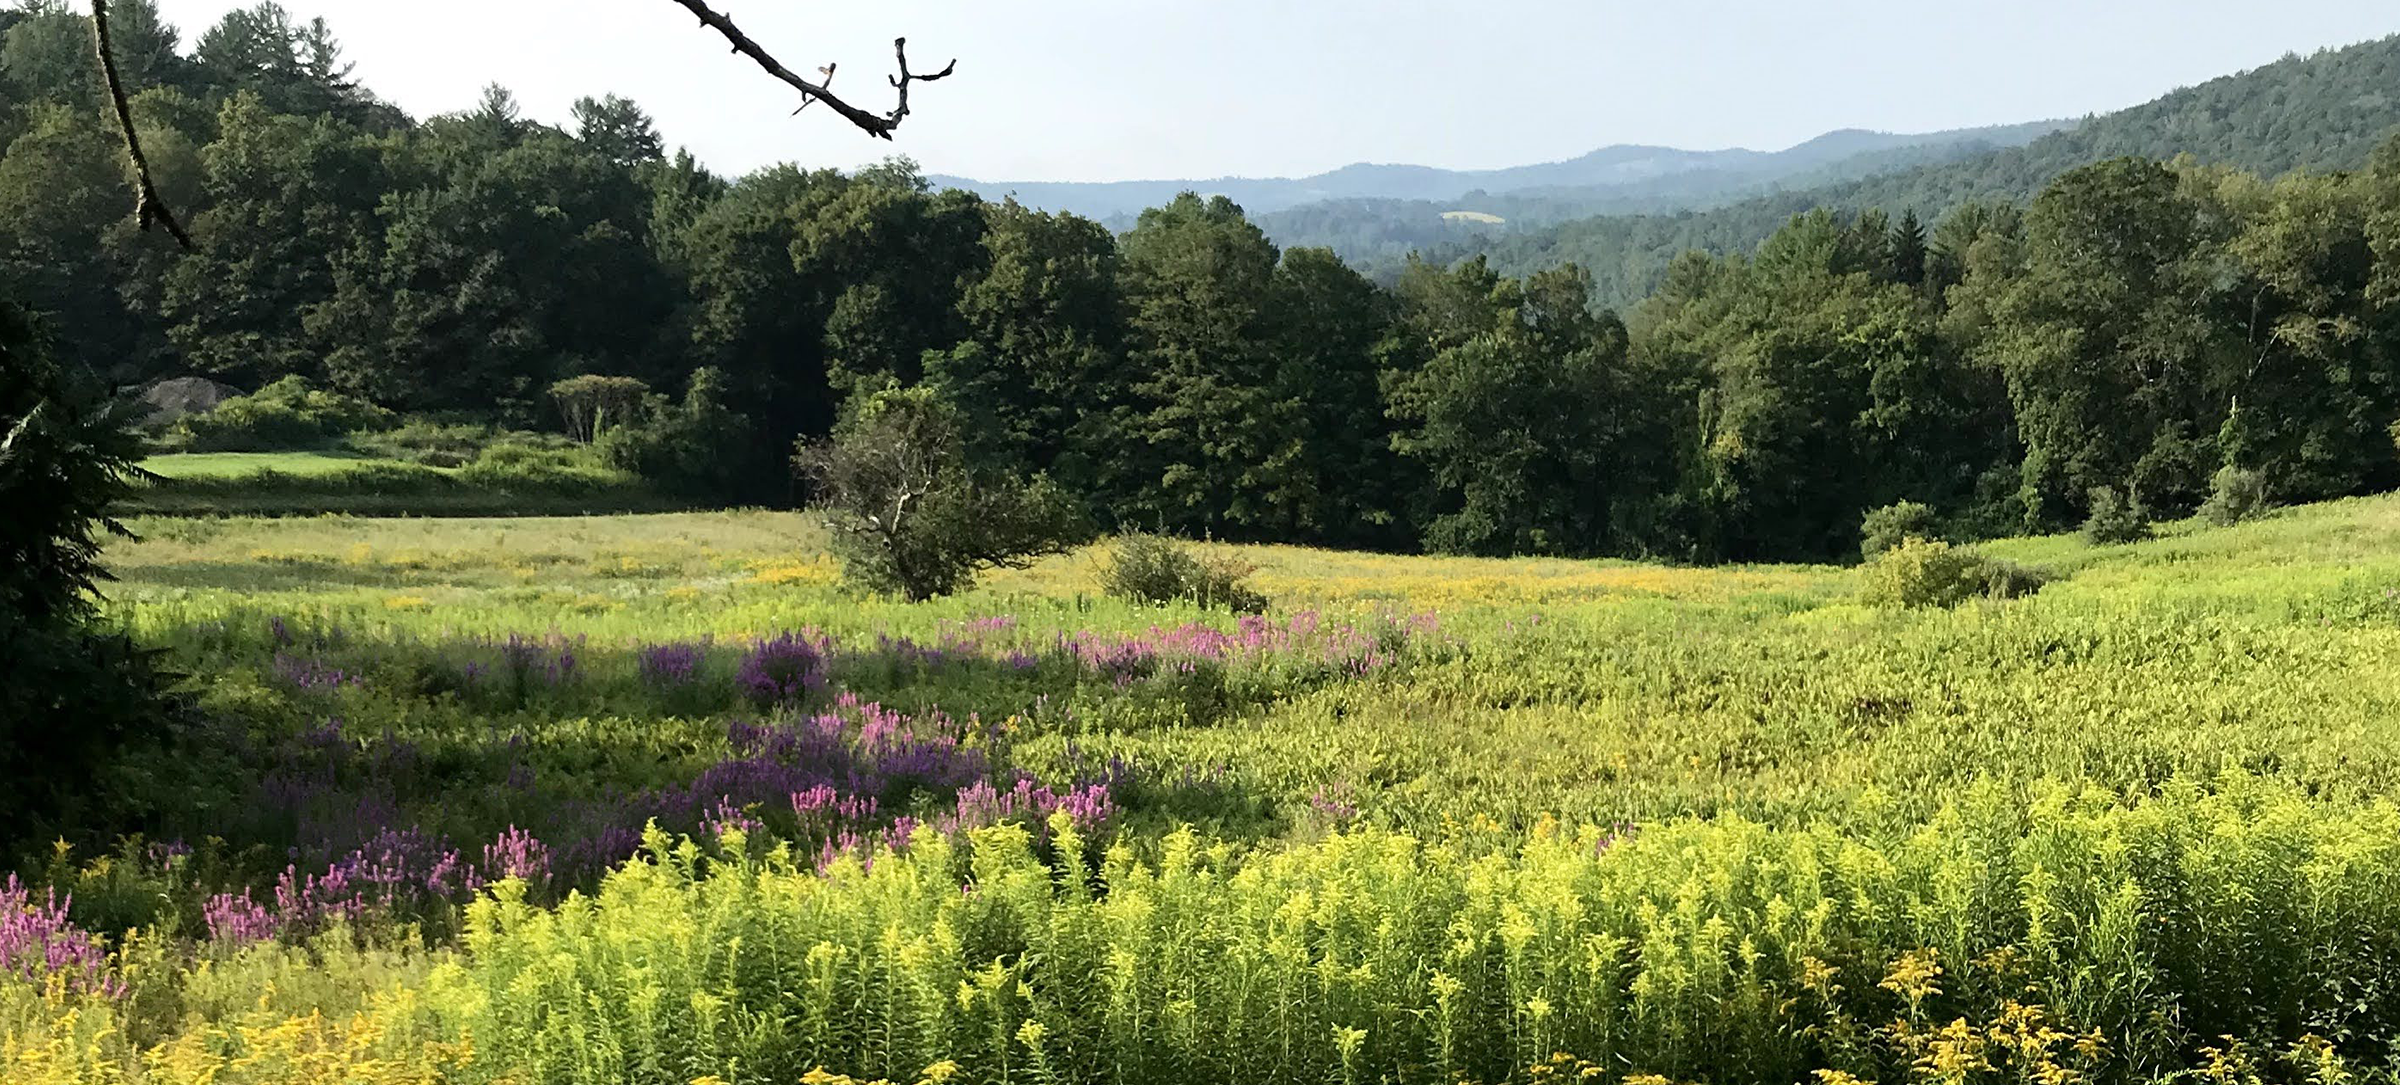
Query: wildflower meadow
(648,799)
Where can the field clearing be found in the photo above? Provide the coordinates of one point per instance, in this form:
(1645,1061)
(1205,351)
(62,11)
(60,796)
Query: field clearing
(236,464)
(1593,691)
(1432,820)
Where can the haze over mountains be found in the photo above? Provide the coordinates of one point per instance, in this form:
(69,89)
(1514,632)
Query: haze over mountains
(1622,171)
(1625,211)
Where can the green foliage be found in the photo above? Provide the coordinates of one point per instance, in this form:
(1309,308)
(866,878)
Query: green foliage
(287,415)
(2115,518)
(2235,494)
(1202,432)
(498,475)
(1044,328)
(911,515)
(1703,951)
(1889,526)
(1154,569)
(2140,324)
(421,440)
(591,402)
(2004,579)
(65,455)
(1528,418)
(698,449)
(1921,572)
(71,698)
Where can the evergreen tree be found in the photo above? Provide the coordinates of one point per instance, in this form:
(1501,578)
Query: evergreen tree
(1908,250)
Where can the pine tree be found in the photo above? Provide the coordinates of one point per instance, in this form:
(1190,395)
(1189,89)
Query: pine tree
(1908,250)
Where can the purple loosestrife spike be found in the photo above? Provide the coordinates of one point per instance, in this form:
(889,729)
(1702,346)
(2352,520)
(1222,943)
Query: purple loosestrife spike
(38,941)
(517,854)
(237,920)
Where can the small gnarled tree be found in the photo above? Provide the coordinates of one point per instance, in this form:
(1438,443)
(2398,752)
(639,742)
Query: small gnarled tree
(591,403)
(910,514)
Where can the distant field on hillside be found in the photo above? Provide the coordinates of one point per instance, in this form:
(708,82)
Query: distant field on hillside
(233,464)
(320,483)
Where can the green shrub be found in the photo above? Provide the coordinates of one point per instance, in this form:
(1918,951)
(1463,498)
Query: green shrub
(1145,568)
(1884,528)
(428,442)
(550,464)
(1924,573)
(1930,573)
(2234,495)
(910,515)
(285,416)
(699,449)
(2115,518)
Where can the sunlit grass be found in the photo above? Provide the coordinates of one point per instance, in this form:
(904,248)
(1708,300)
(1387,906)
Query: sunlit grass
(1591,689)
(237,464)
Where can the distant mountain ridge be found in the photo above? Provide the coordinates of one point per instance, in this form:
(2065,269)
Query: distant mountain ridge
(1624,212)
(1628,170)
(2329,110)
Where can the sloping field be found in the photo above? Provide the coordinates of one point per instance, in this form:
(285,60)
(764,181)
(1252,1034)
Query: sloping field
(645,798)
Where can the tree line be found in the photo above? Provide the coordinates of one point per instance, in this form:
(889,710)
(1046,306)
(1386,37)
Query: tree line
(2137,326)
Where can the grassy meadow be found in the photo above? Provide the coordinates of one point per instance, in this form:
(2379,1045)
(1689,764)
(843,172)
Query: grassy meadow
(311,483)
(649,798)
(235,464)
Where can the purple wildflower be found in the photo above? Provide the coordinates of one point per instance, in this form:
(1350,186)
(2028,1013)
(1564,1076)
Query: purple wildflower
(38,941)
(782,671)
(672,666)
(517,854)
(237,920)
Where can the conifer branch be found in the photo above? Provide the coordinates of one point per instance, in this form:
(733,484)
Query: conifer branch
(878,125)
(149,207)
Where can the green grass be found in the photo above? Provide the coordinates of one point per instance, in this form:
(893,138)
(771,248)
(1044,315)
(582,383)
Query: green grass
(1725,824)
(1593,691)
(335,483)
(235,464)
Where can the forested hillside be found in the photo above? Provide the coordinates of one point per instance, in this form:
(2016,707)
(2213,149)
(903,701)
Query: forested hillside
(2326,111)
(2132,337)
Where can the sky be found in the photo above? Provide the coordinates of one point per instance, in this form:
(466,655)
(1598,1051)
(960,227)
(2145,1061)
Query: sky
(1092,90)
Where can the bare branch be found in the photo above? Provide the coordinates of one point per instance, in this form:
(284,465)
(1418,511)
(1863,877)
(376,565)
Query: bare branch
(807,101)
(880,126)
(148,206)
(902,80)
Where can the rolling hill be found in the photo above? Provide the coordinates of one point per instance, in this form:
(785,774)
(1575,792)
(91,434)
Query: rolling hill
(2326,111)
(1625,174)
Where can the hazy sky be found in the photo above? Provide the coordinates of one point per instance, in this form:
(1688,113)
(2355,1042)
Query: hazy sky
(1117,89)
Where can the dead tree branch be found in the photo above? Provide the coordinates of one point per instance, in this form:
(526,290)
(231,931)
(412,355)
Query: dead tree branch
(879,125)
(827,72)
(148,206)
